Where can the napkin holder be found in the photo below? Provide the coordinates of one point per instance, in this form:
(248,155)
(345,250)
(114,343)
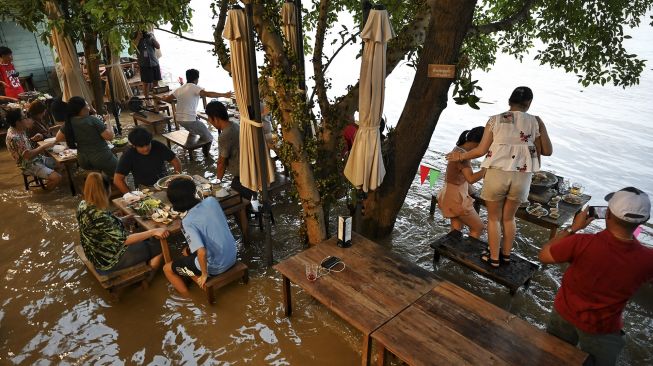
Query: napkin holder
(344,231)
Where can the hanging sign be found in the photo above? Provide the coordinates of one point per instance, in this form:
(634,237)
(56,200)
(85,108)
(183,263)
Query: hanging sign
(442,71)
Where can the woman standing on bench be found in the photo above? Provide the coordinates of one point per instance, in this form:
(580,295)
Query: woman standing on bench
(106,242)
(454,199)
(513,142)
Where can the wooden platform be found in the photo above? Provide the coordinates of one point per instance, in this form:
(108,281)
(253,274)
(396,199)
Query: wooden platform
(467,251)
(187,141)
(116,281)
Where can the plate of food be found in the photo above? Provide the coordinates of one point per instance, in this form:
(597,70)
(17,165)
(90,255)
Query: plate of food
(572,199)
(165,181)
(119,142)
(543,180)
(147,206)
(537,210)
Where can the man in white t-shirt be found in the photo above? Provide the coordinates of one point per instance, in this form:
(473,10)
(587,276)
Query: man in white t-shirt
(187,97)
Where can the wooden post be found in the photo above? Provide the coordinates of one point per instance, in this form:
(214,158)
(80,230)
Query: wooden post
(287,300)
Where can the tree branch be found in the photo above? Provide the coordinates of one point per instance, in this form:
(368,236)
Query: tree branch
(408,38)
(318,67)
(220,47)
(505,23)
(184,37)
(326,67)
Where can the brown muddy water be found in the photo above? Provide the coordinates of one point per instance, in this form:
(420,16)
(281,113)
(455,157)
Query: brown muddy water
(53,312)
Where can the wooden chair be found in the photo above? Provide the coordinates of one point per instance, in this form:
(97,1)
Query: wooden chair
(237,271)
(32,181)
(114,282)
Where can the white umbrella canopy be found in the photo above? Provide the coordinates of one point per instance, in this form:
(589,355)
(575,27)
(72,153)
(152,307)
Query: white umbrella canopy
(69,71)
(364,167)
(121,89)
(289,28)
(235,31)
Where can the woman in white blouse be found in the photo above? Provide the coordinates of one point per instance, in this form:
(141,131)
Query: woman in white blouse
(513,143)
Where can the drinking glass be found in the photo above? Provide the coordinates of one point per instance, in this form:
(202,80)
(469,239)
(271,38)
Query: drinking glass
(311,272)
(576,189)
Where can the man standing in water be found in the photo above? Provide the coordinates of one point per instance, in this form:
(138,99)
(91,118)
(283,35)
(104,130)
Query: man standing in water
(147,61)
(228,146)
(187,97)
(605,271)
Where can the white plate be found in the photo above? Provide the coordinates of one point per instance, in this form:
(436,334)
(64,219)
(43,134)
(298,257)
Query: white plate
(58,149)
(48,140)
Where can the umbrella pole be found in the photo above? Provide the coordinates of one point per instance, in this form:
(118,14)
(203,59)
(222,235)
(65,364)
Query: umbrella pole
(255,114)
(107,59)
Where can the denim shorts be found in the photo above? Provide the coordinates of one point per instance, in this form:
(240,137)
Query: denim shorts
(42,169)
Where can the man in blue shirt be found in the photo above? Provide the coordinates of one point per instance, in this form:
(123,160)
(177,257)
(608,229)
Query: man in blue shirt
(212,246)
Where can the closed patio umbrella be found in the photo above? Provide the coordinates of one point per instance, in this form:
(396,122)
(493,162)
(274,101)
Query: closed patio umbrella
(236,32)
(289,28)
(364,167)
(122,91)
(69,71)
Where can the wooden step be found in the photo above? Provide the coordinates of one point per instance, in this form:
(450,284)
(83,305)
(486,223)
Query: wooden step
(466,251)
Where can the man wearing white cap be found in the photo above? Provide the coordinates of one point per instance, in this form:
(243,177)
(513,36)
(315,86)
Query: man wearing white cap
(605,271)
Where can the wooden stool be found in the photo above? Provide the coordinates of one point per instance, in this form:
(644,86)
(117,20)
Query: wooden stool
(237,271)
(114,282)
(32,181)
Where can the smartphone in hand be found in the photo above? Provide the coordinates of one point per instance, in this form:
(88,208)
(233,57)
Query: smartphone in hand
(598,212)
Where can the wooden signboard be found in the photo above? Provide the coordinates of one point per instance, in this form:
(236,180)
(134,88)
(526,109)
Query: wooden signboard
(442,71)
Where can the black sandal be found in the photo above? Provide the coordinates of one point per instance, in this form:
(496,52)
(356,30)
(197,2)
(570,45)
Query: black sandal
(485,257)
(504,259)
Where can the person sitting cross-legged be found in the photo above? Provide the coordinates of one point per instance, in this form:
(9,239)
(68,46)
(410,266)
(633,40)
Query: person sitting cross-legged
(212,246)
(31,161)
(145,160)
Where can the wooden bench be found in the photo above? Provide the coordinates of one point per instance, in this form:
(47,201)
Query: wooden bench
(114,282)
(151,119)
(466,251)
(451,326)
(236,272)
(187,141)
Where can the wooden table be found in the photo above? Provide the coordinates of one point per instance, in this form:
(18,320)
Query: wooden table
(233,204)
(151,119)
(375,286)
(567,211)
(67,162)
(187,141)
(450,326)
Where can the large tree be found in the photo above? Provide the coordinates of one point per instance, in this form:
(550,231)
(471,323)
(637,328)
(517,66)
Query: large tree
(91,22)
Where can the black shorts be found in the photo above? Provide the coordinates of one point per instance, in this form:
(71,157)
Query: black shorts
(150,74)
(135,254)
(185,266)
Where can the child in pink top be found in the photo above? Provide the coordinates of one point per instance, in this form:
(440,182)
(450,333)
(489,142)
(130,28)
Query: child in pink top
(454,199)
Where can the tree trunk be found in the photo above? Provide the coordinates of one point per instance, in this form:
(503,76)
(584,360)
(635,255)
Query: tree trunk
(449,23)
(92,55)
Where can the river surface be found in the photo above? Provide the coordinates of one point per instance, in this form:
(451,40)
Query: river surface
(53,312)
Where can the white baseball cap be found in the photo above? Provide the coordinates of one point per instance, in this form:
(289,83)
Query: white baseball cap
(629,204)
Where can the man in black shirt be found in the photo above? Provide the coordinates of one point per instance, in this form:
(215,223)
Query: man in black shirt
(145,160)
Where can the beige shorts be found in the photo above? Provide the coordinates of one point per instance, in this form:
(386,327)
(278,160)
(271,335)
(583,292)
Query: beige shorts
(499,185)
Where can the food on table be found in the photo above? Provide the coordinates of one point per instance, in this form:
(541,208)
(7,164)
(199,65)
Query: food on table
(122,141)
(554,215)
(165,181)
(572,199)
(543,178)
(147,206)
(537,210)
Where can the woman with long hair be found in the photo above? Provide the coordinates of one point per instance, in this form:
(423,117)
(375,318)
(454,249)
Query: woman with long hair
(454,199)
(512,142)
(89,135)
(106,242)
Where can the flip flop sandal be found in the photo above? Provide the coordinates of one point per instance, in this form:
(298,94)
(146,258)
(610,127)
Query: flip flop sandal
(485,257)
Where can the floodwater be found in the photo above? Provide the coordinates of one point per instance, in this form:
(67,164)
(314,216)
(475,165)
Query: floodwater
(53,312)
